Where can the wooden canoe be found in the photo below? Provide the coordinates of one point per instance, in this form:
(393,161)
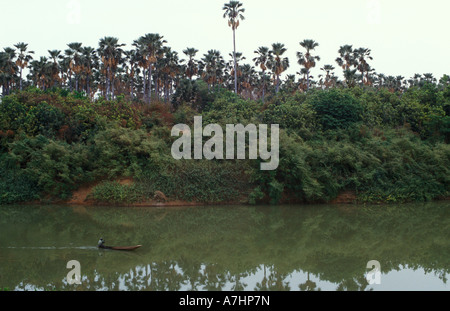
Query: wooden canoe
(122,248)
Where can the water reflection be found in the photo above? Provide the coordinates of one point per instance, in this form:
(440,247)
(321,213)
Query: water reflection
(283,248)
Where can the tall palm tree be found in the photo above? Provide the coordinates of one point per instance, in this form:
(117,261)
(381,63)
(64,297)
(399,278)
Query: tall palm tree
(278,64)
(67,66)
(327,69)
(428,77)
(75,64)
(169,70)
(89,60)
(290,85)
(307,60)
(237,58)
(248,78)
(149,46)
(262,59)
(142,62)
(111,54)
(55,56)
(23,59)
(192,64)
(8,69)
(40,72)
(346,57)
(361,56)
(350,76)
(234,12)
(212,66)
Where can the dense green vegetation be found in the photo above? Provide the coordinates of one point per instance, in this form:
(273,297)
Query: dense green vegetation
(384,146)
(92,116)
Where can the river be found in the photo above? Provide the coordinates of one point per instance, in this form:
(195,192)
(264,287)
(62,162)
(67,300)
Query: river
(246,248)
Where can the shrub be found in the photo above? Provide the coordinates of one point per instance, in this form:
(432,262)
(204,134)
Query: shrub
(57,167)
(15,184)
(336,109)
(201,181)
(116,193)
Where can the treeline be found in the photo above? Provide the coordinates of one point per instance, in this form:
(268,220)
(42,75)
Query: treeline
(383,146)
(152,69)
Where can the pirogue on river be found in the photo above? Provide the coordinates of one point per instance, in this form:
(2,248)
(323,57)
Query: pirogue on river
(101,244)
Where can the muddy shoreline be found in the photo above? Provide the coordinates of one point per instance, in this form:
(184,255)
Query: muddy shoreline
(82,197)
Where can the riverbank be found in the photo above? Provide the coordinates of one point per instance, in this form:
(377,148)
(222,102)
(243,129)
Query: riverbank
(62,147)
(83,197)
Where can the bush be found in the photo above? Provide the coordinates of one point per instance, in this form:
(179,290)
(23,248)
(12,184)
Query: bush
(121,152)
(200,181)
(57,167)
(15,184)
(385,146)
(336,109)
(116,193)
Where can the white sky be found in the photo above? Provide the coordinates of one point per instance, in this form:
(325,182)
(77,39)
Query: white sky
(405,36)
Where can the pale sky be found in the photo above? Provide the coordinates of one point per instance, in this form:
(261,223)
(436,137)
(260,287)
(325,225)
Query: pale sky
(405,36)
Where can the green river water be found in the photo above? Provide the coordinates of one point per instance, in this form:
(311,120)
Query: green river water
(246,248)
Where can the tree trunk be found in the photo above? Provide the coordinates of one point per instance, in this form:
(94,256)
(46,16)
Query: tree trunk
(307,80)
(235,64)
(88,87)
(278,83)
(150,84)
(107,85)
(21,78)
(145,84)
(131,86)
(156,83)
(112,88)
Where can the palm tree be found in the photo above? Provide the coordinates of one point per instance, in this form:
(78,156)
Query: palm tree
(307,60)
(169,69)
(8,69)
(290,85)
(67,64)
(149,46)
(89,60)
(233,11)
(361,55)
(212,66)
(248,78)
(142,62)
(350,77)
(39,72)
(264,83)
(428,77)
(262,60)
(278,64)
(346,57)
(75,64)
(192,64)
(23,59)
(327,69)
(55,55)
(237,58)
(111,53)
(130,67)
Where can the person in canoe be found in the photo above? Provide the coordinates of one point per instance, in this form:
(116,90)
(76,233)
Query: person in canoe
(101,244)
